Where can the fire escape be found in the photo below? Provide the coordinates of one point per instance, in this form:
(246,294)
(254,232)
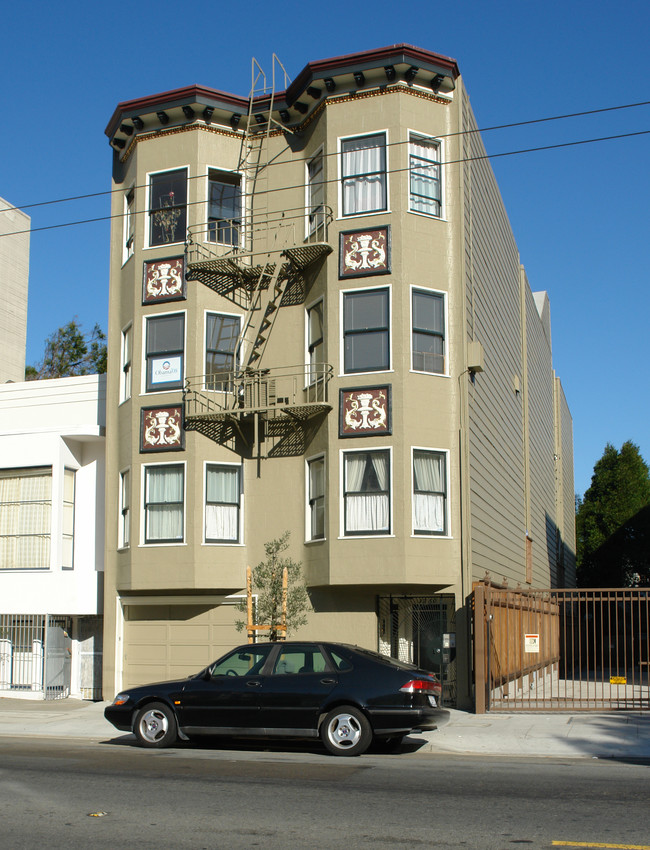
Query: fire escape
(264,263)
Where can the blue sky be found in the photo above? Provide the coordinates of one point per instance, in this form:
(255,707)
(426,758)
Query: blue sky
(579,214)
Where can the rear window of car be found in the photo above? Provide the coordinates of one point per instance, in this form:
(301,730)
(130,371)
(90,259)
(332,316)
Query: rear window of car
(384,659)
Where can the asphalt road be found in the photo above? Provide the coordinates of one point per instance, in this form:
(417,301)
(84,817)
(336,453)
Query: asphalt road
(59,794)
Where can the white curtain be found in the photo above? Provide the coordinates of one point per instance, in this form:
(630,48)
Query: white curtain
(429,507)
(425,177)
(25,518)
(165,503)
(222,518)
(366,511)
(364,175)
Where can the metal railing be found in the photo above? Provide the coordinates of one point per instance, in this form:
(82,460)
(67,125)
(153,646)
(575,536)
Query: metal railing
(251,390)
(249,238)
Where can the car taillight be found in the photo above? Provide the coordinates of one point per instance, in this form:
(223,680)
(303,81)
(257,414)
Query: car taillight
(421,686)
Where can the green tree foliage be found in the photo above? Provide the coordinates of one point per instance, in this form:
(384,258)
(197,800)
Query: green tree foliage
(267,584)
(611,521)
(69,352)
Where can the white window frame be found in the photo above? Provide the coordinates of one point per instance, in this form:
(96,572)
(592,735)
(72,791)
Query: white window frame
(125,501)
(434,292)
(309,507)
(343,533)
(446,533)
(147,228)
(126,363)
(342,334)
(212,171)
(426,137)
(314,221)
(340,143)
(143,505)
(145,361)
(240,504)
(128,224)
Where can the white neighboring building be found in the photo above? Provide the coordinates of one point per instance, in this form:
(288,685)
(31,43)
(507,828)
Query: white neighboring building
(52,449)
(14,266)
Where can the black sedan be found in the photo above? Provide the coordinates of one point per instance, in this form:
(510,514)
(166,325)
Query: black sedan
(344,694)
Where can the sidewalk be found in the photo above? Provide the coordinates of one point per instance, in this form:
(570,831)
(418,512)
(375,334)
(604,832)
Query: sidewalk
(624,735)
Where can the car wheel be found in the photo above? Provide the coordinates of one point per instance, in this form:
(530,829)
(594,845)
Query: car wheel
(155,725)
(346,731)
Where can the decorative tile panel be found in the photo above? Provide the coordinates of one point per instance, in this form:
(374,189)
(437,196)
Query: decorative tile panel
(365,412)
(161,429)
(163,280)
(364,252)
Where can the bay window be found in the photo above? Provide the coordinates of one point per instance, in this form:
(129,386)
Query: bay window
(167,207)
(315,193)
(425,189)
(429,492)
(428,331)
(164,487)
(366,332)
(164,352)
(221,354)
(316,483)
(224,207)
(363,175)
(222,503)
(25,518)
(366,492)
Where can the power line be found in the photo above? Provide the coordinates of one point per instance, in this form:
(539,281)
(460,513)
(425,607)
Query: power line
(392,144)
(336,180)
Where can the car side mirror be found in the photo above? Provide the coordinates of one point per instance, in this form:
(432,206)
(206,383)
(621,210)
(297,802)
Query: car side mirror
(207,674)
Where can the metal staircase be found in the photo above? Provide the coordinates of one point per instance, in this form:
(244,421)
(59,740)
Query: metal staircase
(270,264)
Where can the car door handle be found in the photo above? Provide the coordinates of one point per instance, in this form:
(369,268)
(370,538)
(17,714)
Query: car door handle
(253,684)
(328,681)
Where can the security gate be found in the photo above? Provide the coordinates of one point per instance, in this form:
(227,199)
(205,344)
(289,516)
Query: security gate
(421,630)
(564,650)
(35,654)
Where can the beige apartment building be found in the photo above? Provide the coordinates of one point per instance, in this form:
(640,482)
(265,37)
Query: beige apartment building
(319,323)
(14,262)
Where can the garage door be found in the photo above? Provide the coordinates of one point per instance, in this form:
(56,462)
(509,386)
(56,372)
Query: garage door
(165,642)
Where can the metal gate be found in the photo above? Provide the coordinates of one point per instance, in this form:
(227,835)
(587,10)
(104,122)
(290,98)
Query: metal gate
(35,655)
(421,630)
(562,650)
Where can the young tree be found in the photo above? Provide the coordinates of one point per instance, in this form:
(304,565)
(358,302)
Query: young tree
(69,352)
(267,584)
(606,533)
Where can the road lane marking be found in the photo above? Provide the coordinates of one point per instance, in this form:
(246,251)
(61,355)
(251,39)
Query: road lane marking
(607,846)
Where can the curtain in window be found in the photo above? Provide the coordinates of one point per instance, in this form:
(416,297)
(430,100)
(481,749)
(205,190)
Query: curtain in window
(25,518)
(425,177)
(165,504)
(364,175)
(364,510)
(429,507)
(222,508)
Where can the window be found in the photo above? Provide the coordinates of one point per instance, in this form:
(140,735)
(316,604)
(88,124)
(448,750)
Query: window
(428,341)
(124,536)
(167,207)
(425,195)
(315,347)
(300,658)
(25,517)
(221,353)
(67,555)
(366,483)
(222,503)
(129,223)
(363,174)
(164,352)
(246,663)
(366,333)
(315,193)
(125,377)
(429,492)
(316,483)
(224,207)
(163,503)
